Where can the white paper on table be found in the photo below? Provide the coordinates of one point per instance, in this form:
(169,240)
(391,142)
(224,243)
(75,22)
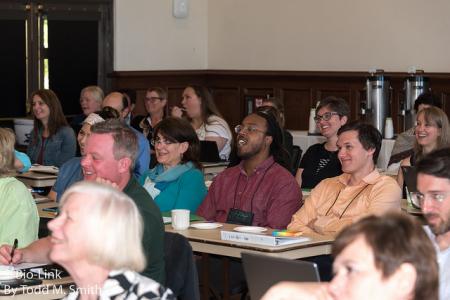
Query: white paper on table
(44,169)
(23,266)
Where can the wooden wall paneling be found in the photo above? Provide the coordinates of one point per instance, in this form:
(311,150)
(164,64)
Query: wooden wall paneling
(397,105)
(355,106)
(228,101)
(297,105)
(139,108)
(250,94)
(174,95)
(397,98)
(445,96)
(346,94)
(291,86)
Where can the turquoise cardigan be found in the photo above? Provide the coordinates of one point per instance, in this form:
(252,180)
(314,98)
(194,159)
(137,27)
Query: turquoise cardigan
(186,191)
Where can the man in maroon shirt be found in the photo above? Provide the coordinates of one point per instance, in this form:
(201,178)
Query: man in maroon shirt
(259,191)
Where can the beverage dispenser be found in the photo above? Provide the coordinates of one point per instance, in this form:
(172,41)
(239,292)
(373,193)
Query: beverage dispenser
(415,85)
(376,107)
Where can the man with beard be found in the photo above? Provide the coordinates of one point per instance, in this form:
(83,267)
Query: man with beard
(259,191)
(433,186)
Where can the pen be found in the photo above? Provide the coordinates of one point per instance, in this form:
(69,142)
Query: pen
(14,247)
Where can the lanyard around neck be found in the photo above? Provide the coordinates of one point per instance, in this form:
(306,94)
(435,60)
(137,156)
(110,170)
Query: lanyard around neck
(345,209)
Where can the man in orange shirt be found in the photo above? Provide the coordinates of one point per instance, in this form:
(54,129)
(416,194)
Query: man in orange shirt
(361,190)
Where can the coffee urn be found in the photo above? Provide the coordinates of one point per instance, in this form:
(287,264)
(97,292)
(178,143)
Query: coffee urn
(415,85)
(376,107)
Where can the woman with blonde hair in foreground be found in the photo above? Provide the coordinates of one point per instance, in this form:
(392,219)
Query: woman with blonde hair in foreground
(385,257)
(97,239)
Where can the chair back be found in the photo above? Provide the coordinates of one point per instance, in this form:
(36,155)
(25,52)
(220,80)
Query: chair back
(296,156)
(181,272)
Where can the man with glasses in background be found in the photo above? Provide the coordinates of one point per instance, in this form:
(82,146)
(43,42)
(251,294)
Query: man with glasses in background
(259,191)
(121,103)
(433,196)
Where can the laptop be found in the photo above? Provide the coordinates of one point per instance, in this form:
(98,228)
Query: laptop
(262,272)
(209,152)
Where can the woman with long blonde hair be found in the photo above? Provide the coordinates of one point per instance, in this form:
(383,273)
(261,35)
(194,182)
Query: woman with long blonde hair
(432,132)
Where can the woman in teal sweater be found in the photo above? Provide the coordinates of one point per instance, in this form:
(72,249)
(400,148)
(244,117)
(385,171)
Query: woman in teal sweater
(177,180)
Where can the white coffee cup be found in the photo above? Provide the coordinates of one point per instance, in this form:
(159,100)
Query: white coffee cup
(180,219)
(389,129)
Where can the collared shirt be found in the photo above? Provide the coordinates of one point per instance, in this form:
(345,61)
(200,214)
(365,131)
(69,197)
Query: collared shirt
(270,192)
(126,285)
(443,257)
(333,204)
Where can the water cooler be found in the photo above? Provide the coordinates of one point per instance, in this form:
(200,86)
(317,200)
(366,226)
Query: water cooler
(415,85)
(376,108)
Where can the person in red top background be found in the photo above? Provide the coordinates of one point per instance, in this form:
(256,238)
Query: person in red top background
(259,191)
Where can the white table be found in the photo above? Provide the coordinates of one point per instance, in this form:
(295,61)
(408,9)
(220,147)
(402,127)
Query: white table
(302,139)
(209,241)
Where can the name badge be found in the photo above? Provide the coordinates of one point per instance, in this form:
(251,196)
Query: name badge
(240,217)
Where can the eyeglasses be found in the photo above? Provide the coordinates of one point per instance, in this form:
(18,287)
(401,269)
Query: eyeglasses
(249,129)
(158,141)
(436,197)
(326,116)
(153,99)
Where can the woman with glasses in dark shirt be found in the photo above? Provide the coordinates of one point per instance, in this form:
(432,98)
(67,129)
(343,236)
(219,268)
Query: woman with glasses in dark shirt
(320,160)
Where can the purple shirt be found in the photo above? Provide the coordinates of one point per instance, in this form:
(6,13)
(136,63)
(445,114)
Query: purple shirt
(271,193)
